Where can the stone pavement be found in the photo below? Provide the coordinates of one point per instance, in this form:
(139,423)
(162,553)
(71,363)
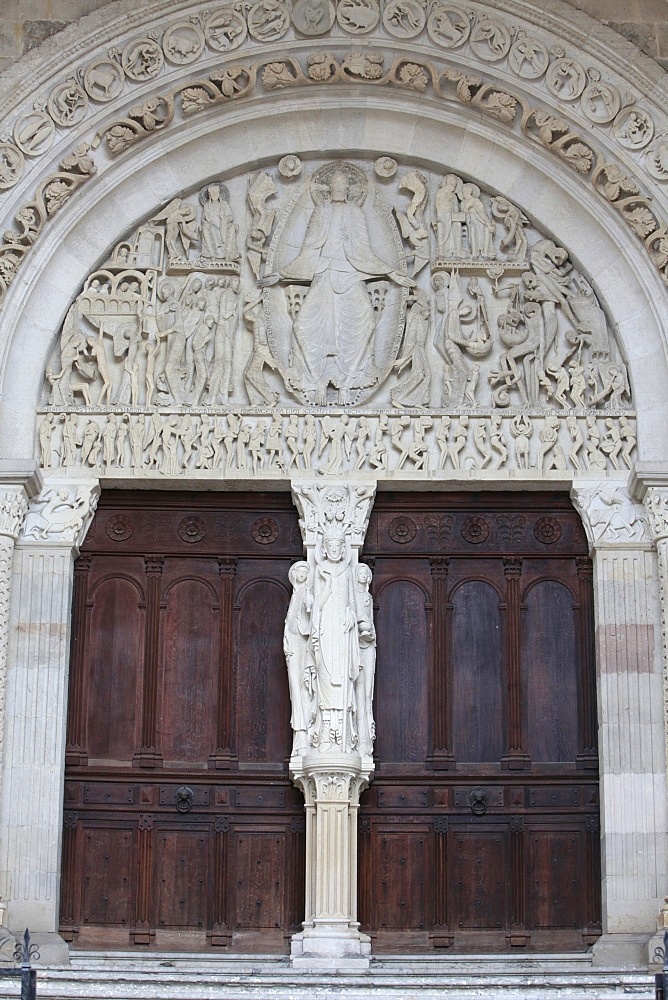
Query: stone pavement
(169,976)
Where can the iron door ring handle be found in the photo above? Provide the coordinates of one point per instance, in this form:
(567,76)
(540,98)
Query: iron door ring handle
(184,799)
(478,801)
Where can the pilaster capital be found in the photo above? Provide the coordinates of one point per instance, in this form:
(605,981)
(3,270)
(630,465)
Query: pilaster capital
(610,515)
(656,509)
(62,512)
(649,483)
(330,781)
(646,475)
(17,485)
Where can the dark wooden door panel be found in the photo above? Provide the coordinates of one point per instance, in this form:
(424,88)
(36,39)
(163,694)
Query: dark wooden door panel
(115,628)
(263,698)
(401,862)
(259,891)
(180,813)
(181,877)
(492,746)
(187,696)
(555,888)
(107,888)
(477,689)
(480,871)
(401,695)
(550,672)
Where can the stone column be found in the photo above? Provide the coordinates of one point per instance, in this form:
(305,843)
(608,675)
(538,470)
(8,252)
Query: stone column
(650,484)
(330,652)
(36,697)
(630,713)
(15,489)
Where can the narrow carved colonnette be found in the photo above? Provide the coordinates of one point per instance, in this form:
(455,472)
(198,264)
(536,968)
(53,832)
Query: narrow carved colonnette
(13,508)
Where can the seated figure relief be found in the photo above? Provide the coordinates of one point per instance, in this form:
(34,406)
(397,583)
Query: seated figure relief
(352,291)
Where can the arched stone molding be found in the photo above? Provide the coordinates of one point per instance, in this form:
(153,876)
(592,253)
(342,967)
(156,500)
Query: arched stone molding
(623,279)
(628,155)
(415,129)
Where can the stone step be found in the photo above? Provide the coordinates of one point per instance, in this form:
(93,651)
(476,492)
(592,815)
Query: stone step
(167,976)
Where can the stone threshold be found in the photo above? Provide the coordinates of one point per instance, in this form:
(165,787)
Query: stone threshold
(173,976)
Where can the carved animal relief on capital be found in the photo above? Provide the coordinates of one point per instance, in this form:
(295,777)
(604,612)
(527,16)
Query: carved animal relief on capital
(342,315)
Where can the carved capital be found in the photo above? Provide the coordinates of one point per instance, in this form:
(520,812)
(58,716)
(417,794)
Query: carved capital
(321,784)
(610,516)
(656,509)
(62,513)
(13,509)
(330,507)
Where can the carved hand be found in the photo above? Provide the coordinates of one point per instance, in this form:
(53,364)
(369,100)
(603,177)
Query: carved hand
(402,279)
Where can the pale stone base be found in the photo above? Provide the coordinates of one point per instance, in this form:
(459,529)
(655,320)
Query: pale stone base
(331,946)
(623,951)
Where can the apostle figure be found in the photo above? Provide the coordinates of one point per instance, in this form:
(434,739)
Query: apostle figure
(366,637)
(219,231)
(334,638)
(298,655)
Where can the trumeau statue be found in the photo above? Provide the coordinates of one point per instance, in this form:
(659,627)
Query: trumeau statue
(345,292)
(330,639)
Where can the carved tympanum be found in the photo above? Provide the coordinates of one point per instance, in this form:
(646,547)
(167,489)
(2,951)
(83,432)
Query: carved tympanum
(316,289)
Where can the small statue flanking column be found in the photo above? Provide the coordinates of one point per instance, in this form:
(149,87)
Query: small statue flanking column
(330,650)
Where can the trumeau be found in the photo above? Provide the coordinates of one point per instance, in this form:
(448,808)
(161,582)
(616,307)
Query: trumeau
(366,316)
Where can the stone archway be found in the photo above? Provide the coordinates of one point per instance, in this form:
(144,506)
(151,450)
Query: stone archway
(500,133)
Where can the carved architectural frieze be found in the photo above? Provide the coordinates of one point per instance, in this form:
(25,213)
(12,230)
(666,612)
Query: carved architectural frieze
(210,330)
(275,444)
(470,33)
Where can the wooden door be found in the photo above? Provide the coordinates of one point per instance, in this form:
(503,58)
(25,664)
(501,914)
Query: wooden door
(480,830)
(182,827)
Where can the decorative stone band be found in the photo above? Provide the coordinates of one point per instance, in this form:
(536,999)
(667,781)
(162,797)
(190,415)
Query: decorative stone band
(449,83)
(533,55)
(194,444)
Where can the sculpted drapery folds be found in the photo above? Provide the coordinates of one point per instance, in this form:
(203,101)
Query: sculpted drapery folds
(299,655)
(334,327)
(303,287)
(330,639)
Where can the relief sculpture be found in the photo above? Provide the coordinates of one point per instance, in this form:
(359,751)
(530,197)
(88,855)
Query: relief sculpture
(330,639)
(397,321)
